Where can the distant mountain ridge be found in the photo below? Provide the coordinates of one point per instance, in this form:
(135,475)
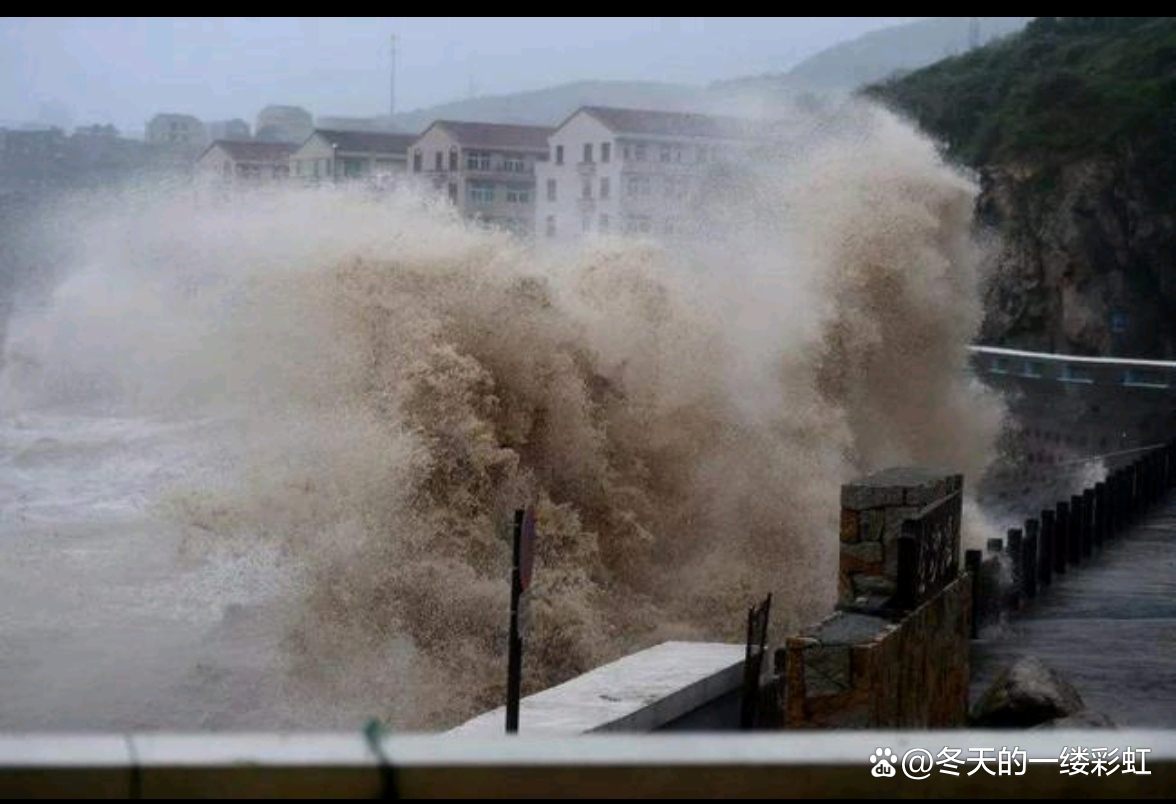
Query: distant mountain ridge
(880,54)
(840,68)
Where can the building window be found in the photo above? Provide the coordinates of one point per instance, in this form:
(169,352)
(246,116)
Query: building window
(677,153)
(551,189)
(559,154)
(638,185)
(551,226)
(665,153)
(639,152)
(702,154)
(481,192)
(676,186)
(416,161)
(518,196)
(587,153)
(604,186)
(587,192)
(603,223)
(453,192)
(228,168)
(477,161)
(440,163)
(453,159)
(515,165)
(638,224)
(626,153)
(605,151)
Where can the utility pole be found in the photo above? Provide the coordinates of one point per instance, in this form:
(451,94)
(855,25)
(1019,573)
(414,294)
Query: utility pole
(392,86)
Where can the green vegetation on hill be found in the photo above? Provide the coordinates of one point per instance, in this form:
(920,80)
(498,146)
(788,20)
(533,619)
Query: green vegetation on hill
(1065,88)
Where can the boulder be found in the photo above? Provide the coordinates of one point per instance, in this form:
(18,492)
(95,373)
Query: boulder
(1027,694)
(1086,719)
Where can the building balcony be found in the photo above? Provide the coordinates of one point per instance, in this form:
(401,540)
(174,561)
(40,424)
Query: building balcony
(499,174)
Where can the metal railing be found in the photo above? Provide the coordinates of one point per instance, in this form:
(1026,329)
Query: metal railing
(1119,371)
(1067,535)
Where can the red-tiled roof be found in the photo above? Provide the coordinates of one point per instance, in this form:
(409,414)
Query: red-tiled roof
(367,142)
(252,151)
(498,136)
(676,124)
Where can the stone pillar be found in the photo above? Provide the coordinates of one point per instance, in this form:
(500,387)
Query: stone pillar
(873,511)
(895,653)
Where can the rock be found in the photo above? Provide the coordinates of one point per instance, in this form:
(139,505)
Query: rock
(1086,719)
(1027,694)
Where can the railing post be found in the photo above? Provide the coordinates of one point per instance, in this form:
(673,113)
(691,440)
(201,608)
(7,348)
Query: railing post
(1061,537)
(1088,523)
(1016,559)
(972,559)
(1074,545)
(1047,547)
(1030,562)
(908,566)
(1101,518)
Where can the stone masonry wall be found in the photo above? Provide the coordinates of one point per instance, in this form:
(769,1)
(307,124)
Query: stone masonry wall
(889,659)
(862,671)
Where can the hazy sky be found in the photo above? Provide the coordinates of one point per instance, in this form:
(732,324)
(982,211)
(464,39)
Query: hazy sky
(124,70)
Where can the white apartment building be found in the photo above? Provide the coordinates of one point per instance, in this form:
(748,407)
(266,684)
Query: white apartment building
(338,156)
(633,171)
(236,162)
(177,129)
(486,169)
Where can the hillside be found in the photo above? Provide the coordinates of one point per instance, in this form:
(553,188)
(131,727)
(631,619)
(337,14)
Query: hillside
(880,54)
(1070,125)
(547,107)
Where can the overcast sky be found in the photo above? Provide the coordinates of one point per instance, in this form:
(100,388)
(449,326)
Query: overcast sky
(123,71)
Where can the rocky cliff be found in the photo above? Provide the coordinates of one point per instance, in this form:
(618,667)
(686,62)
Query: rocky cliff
(1083,263)
(1070,124)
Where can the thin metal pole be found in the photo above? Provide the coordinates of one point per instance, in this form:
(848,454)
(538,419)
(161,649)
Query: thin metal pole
(514,668)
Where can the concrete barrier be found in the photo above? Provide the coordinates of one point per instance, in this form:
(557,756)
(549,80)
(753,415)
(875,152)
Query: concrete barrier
(671,686)
(782,765)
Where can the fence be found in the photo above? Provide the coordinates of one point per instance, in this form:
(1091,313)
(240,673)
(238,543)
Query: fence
(1158,375)
(1064,537)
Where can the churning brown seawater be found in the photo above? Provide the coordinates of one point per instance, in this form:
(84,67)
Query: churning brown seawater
(317,408)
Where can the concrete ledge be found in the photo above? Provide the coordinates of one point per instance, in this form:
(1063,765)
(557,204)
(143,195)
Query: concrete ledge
(640,692)
(778,765)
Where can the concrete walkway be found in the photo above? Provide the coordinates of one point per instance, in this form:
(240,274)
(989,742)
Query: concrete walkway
(1108,626)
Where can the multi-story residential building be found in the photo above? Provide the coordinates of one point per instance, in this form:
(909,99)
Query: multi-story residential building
(284,124)
(486,169)
(237,162)
(334,156)
(635,171)
(177,129)
(236,129)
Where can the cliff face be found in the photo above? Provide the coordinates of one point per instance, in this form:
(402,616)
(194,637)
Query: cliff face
(1084,263)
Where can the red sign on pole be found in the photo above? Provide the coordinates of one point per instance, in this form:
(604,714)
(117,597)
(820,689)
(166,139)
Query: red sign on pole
(527,549)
